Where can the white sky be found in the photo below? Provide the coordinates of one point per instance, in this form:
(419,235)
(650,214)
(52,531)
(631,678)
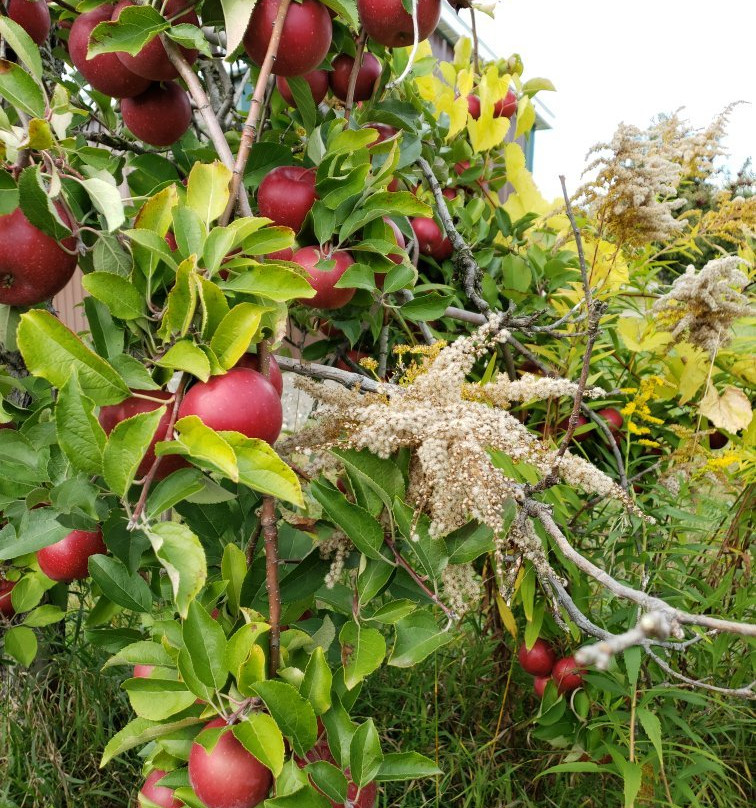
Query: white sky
(629,60)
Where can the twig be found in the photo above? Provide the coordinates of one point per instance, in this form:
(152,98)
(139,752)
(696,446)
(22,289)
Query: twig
(255,108)
(476,55)
(415,42)
(383,345)
(356,67)
(578,242)
(270,534)
(742,692)
(252,544)
(463,259)
(328,373)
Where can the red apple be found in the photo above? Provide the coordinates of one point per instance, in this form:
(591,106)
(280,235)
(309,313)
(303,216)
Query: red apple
(539,685)
(33,17)
(323,281)
(286,195)
(159,116)
(507,106)
(6,607)
(384,131)
(367,76)
(228,776)
(613,418)
(106,72)
(253,361)
(566,674)
(539,660)
(67,559)
(280,255)
(581,421)
(461,167)
(33,265)
(160,795)
(393,186)
(355,356)
(431,239)
(241,400)
(718,440)
(473,106)
(318,81)
(450,193)
(170,240)
(152,61)
(143,671)
(305,39)
(112,415)
(387,22)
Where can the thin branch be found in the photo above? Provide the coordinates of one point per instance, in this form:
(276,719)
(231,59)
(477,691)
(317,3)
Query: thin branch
(476,55)
(270,534)
(328,373)
(255,109)
(578,242)
(742,692)
(356,67)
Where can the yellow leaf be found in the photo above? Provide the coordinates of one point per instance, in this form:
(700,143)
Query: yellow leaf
(688,368)
(463,52)
(730,411)
(429,87)
(745,369)
(526,197)
(487,132)
(507,618)
(465,81)
(639,334)
(448,72)
(526,116)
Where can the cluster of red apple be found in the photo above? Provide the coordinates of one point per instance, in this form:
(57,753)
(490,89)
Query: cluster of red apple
(228,776)
(611,415)
(541,662)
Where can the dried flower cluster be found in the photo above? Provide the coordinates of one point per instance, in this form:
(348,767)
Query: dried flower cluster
(702,305)
(453,477)
(336,549)
(462,587)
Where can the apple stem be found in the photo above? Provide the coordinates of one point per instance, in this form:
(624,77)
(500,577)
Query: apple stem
(356,67)
(270,535)
(249,129)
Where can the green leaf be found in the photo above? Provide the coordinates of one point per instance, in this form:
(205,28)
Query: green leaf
(134,28)
(207,190)
(110,256)
(181,554)
(632,776)
(158,699)
(272,281)
(429,552)
(28,592)
(417,636)
(632,657)
(362,652)
(329,779)
(365,532)
(23,45)
(291,712)
(532,86)
(303,99)
(141,731)
(126,447)
(406,766)
(187,356)
(235,332)
(39,528)
(52,351)
(393,611)
(106,198)
(365,755)
(381,474)
(652,727)
(234,570)
(118,293)
(260,736)
(195,440)
(143,652)
(385,203)
(425,307)
(182,301)
(80,435)
(205,641)
(304,797)
(189,36)
(21,644)
(373,577)
(261,469)
(21,90)
(44,616)
(173,489)
(316,685)
(8,189)
(119,585)
(38,206)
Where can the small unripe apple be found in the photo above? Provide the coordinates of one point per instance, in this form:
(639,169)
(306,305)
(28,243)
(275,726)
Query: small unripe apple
(507,106)
(160,795)
(718,440)
(387,22)
(143,671)
(539,685)
(241,400)
(6,607)
(318,81)
(539,660)
(152,61)
(112,415)
(159,116)
(33,17)
(106,72)
(67,560)
(286,195)
(613,418)
(431,239)
(33,266)
(274,372)
(305,38)
(228,776)
(567,674)
(367,76)
(323,281)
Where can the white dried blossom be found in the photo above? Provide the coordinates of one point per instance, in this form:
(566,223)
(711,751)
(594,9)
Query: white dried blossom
(336,549)
(462,587)
(702,305)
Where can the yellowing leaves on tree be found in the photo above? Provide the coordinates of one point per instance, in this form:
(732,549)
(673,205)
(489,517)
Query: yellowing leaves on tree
(526,196)
(687,368)
(730,411)
(640,334)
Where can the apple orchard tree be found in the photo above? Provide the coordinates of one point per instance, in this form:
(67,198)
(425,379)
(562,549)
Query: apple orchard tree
(345,224)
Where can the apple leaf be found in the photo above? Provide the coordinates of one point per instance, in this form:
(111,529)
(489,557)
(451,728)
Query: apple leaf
(28,591)
(21,90)
(316,685)
(143,652)
(173,489)
(44,616)
(194,439)
(126,447)
(205,641)
(80,435)
(134,28)
(362,652)
(730,411)
(274,281)
(126,589)
(234,570)
(234,334)
(182,302)
(260,736)
(406,766)
(213,304)
(417,636)
(262,469)
(39,528)
(365,755)
(304,797)
(21,644)
(37,205)
(291,712)
(267,240)
(118,293)
(346,9)
(8,191)
(207,190)
(52,351)
(181,554)
(365,532)
(22,45)
(385,203)
(236,14)
(158,699)
(141,731)
(187,356)
(189,36)
(329,779)
(301,92)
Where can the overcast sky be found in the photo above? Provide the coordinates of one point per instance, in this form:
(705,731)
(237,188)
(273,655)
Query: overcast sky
(628,61)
